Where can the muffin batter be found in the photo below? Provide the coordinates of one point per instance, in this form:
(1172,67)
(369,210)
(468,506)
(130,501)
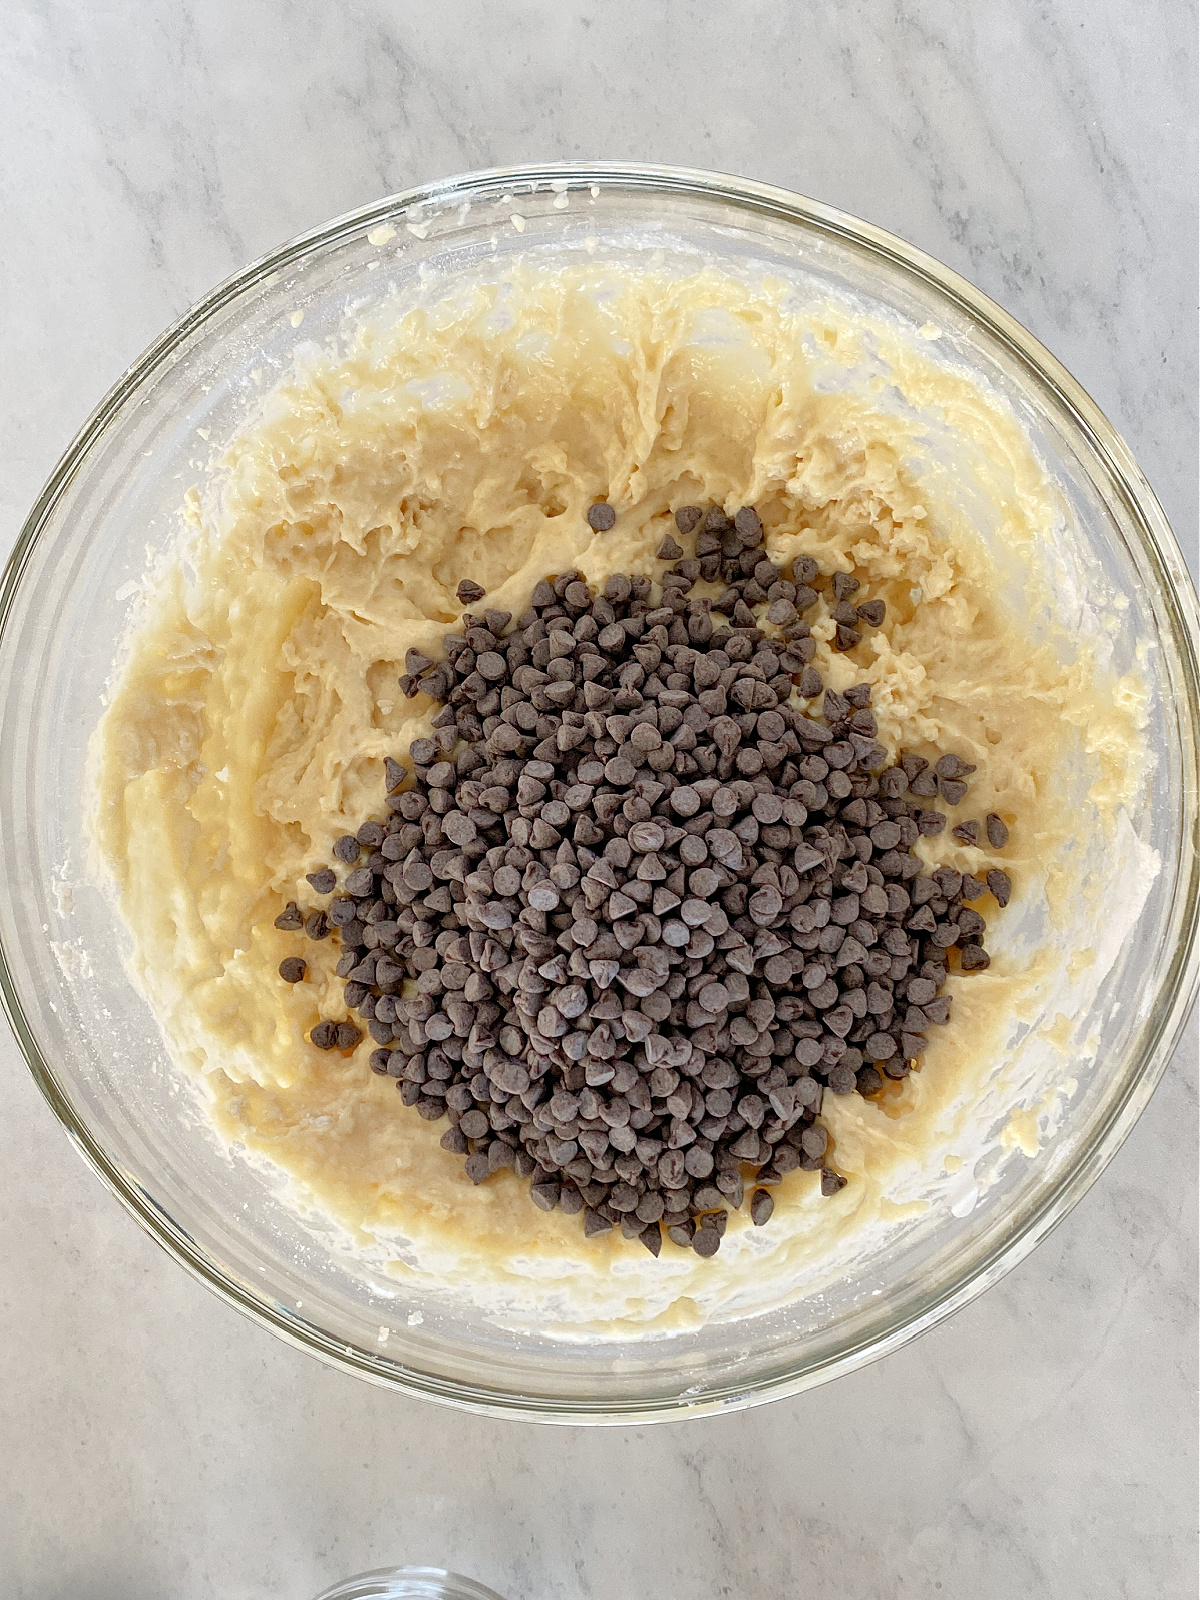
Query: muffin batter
(248,727)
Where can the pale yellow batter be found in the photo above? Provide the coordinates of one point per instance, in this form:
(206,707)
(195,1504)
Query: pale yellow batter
(248,727)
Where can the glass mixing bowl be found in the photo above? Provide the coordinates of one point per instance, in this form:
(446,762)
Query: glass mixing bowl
(90,1039)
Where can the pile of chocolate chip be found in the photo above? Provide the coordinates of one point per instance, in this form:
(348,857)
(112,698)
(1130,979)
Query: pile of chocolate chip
(633,911)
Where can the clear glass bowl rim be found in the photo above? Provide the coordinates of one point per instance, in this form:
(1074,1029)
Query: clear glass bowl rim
(391,1583)
(1177,985)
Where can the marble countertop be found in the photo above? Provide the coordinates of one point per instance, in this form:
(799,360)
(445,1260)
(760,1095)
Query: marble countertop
(1042,1442)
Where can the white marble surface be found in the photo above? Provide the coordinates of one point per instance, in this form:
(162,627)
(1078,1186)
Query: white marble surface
(1042,1443)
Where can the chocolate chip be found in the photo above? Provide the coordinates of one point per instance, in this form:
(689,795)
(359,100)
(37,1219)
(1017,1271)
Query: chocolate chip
(966,832)
(924,782)
(761,1207)
(292,969)
(872,612)
(324,880)
(687,518)
(748,525)
(469,593)
(601,516)
(1000,885)
(289,919)
(997,832)
(953,766)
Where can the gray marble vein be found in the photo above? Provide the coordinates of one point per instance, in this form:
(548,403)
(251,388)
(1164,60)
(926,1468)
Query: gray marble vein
(1041,1443)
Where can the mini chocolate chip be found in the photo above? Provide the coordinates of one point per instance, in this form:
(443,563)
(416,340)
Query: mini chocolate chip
(1000,885)
(868,1080)
(394,775)
(601,516)
(290,919)
(748,525)
(292,969)
(761,1207)
(953,766)
(997,832)
(469,593)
